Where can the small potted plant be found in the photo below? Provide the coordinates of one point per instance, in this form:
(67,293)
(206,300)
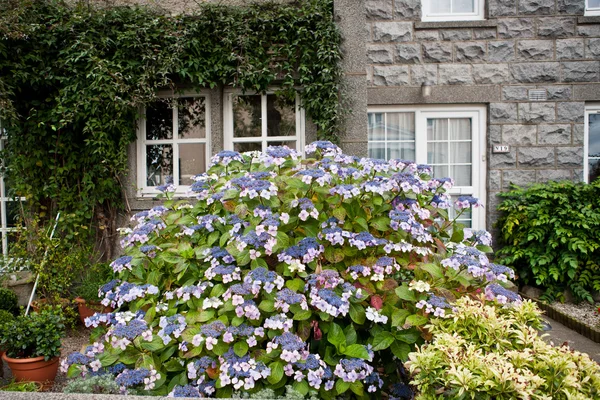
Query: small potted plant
(32,346)
(88,302)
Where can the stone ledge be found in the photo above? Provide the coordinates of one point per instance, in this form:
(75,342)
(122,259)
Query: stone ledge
(381,95)
(583,329)
(456,24)
(588,20)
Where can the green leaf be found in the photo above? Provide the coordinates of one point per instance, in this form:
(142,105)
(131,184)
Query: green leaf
(302,315)
(301,387)
(357,351)
(400,350)
(434,270)
(357,313)
(276,372)
(267,305)
(405,294)
(240,348)
(417,320)
(382,340)
(382,224)
(399,316)
(341,386)
(336,336)
(350,333)
(155,345)
(357,388)
(409,336)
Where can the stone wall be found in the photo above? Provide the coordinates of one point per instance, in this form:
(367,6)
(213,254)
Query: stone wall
(522,45)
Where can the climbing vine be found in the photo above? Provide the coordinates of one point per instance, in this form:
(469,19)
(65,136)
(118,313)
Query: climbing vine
(73,76)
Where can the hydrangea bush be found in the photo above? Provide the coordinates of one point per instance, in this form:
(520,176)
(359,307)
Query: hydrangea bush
(317,273)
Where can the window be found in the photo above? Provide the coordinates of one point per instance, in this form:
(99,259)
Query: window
(592,7)
(450,139)
(255,121)
(173,142)
(9,206)
(454,10)
(591,166)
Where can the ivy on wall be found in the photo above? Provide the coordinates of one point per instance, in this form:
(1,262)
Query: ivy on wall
(72,78)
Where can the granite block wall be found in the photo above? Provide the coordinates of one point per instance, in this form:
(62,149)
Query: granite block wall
(521,45)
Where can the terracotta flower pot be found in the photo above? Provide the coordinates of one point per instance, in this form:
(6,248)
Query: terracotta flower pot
(33,369)
(88,309)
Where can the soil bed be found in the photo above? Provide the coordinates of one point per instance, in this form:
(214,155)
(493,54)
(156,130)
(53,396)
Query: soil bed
(583,312)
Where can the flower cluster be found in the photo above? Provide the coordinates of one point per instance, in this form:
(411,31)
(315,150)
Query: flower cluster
(241,371)
(306,251)
(352,370)
(330,293)
(173,325)
(435,304)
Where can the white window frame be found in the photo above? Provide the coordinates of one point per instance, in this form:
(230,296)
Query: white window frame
(181,190)
(428,14)
(591,11)
(478,115)
(593,108)
(230,140)
(5,230)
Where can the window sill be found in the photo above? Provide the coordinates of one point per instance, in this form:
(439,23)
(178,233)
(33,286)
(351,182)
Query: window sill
(591,19)
(456,24)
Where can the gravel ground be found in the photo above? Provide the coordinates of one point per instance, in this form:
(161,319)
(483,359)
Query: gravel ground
(584,312)
(75,340)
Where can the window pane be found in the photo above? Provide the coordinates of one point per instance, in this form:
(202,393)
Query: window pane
(192,161)
(291,144)
(460,128)
(402,151)
(437,128)
(594,169)
(159,121)
(437,153)
(281,116)
(376,126)
(460,152)
(594,135)
(247,120)
(440,6)
(401,126)
(159,164)
(191,112)
(244,147)
(12,213)
(461,175)
(377,150)
(593,4)
(440,171)
(463,6)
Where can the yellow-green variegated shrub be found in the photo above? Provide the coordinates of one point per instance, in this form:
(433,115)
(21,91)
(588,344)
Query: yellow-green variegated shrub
(486,352)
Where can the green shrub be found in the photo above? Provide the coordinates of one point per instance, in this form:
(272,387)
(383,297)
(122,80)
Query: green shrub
(8,301)
(21,387)
(317,273)
(98,384)
(551,236)
(92,279)
(34,335)
(5,317)
(484,352)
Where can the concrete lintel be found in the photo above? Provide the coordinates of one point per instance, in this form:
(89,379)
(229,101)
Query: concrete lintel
(439,94)
(589,91)
(588,20)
